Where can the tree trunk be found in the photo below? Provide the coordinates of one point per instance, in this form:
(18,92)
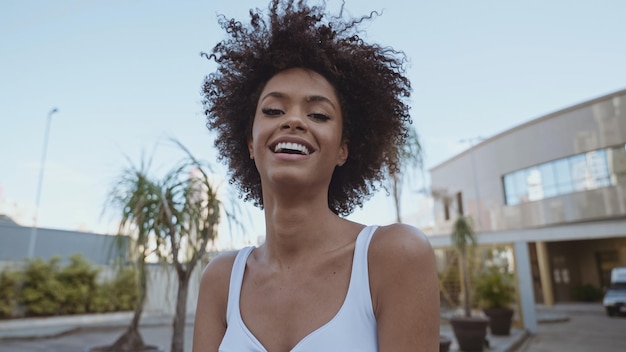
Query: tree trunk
(466,295)
(131,340)
(396,196)
(178,336)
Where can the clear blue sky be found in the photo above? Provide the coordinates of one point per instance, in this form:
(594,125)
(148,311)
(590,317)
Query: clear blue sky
(126,75)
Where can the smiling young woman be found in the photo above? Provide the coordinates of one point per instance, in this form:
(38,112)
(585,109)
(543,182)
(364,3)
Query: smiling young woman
(310,118)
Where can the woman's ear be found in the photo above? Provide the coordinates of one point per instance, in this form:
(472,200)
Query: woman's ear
(250,149)
(343,153)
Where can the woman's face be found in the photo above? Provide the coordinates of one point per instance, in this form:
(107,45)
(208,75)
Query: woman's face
(297,130)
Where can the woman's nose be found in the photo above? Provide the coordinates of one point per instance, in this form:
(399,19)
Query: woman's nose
(295,122)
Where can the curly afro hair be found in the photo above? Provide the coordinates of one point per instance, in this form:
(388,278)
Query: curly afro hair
(369,80)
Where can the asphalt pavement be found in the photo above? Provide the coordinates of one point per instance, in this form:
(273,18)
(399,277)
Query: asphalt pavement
(83,332)
(586,328)
(564,327)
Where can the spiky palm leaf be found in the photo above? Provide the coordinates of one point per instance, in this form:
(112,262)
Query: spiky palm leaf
(410,161)
(463,237)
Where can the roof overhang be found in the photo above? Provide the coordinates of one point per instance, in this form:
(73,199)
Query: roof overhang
(569,232)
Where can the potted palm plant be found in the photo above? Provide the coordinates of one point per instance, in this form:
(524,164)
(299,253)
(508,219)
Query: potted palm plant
(469,331)
(496,292)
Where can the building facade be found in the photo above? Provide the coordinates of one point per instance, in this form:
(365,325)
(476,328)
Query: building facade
(555,185)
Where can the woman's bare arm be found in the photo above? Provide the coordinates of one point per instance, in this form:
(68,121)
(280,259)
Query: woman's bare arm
(405,290)
(210,322)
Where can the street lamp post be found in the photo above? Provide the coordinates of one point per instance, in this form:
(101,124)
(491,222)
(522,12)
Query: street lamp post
(42,166)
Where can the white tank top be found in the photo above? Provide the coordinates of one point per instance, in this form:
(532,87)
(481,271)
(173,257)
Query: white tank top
(352,329)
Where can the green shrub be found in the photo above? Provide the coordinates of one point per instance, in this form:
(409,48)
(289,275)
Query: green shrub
(9,282)
(42,293)
(78,280)
(102,300)
(118,294)
(46,288)
(125,289)
(495,288)
(586,293)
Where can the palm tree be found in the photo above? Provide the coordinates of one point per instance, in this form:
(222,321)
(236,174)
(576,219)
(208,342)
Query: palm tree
(462,237)
(137,196)
(410,159)
(189,211)
(174,219)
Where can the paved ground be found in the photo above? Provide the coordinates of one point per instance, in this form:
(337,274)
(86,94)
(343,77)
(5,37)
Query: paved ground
(496,343)
(588,329)
(82,340)
(103,330)
(571,328)
(90,331)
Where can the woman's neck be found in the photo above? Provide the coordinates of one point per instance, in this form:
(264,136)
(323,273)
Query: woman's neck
(296,232)
(297,222)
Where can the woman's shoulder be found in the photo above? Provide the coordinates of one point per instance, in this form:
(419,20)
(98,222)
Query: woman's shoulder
(218,269)
(399,241)
(400,249)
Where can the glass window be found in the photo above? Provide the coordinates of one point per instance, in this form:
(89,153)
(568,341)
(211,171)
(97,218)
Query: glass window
(580,172)
(562,176)
(521,188)
(598,169)
(548,182)
(509,190)
(580,176)
(512,200)
(533,182)
(616,160)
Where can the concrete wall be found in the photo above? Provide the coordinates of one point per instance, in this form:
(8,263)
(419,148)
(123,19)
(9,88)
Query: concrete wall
(98,249)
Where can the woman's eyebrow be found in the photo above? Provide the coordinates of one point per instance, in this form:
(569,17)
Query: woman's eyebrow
(274,95)
(309,99)
(321,99)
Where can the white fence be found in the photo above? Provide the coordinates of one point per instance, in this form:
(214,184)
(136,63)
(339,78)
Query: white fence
(163,288)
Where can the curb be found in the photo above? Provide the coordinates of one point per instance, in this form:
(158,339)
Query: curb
(549,317)
(517,343)
(50,327)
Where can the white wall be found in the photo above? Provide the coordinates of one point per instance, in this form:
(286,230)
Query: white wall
(163,288)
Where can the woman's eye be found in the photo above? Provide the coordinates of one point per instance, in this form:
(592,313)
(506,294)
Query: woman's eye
(321,117)
(271,112)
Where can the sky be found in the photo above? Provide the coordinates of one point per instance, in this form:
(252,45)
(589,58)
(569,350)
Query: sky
(126,76)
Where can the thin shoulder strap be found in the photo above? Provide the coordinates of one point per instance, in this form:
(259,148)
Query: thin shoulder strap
(360,270)
(234,288)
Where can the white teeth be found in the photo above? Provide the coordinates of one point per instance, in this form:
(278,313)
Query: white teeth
(291,146)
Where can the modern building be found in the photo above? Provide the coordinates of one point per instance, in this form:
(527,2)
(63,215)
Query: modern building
(553,188)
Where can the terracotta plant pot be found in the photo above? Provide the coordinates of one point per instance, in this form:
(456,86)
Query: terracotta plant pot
(470,332)
(499,320)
